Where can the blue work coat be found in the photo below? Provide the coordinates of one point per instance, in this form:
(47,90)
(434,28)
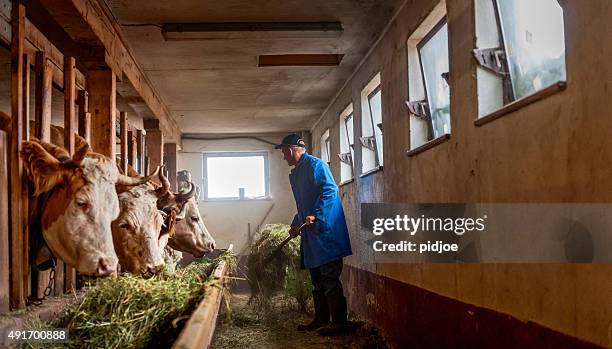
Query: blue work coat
(316,193)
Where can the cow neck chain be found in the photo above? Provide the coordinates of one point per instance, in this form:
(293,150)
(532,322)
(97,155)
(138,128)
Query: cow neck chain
(33,300)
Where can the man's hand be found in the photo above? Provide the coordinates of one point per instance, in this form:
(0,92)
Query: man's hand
(294,231)
(310,220)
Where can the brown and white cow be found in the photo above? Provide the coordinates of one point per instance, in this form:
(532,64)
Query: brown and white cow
(76,217)
(139,234)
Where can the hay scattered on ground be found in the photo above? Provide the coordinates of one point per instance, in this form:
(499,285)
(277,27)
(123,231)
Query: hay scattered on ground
(283,274)
(251,328)
(132,312)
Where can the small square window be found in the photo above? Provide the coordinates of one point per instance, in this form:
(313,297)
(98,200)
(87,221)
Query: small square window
(521,50)
(347,144)
(325,147)
(371,126)
(236,176)
(428,80)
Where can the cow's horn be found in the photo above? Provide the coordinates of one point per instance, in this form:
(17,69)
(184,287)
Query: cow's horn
(127,180)
(184,197)
(165,188)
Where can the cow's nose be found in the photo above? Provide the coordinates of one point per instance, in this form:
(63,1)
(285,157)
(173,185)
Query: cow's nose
(105,267)
(155,269)
(211,245)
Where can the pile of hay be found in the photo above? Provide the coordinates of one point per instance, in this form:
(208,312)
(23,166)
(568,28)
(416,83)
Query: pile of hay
(283,274)
(132,312)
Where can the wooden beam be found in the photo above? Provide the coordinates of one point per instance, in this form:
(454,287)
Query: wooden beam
(84,115)
(42,100)
(25,237)
(155,148)
(140,150)
(101,86)
(123,125)
(170,150)
(69,106)
(17,299)
(4,225)
(132,154)
(69,141)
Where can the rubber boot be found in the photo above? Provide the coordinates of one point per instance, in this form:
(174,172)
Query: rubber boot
(321,315)
(339,325)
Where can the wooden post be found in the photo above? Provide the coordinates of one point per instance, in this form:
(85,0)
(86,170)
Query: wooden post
(16,175)
(4,224)
(123,126)
(102,87)
(84,115)
(140,150)
(26,277)
(42,130)
(69,131)
(42,106)
(132,155)
(170,150)
(155,151)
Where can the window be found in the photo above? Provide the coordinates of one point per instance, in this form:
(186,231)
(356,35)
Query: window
(325,148)
(428,80)
(236,176)
(521,50)
(347,144)
(371,126)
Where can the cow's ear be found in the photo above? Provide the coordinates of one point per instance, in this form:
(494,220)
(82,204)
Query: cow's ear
(169,227)
(44,170)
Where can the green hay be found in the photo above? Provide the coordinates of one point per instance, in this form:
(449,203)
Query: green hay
(282,274)
(132,312)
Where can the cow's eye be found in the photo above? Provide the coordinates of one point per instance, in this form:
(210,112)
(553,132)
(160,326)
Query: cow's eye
(195,219)
(124,226)
(83,205)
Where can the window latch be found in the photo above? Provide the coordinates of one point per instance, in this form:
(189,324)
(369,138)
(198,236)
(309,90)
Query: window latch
(368,142)
(379,125)
(418,108)
(492,59)
(346,158)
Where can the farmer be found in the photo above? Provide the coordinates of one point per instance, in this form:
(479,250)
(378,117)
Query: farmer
(325,240)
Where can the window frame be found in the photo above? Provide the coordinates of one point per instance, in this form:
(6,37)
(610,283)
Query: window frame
(377,89)
(223,154)
(346,144)
(436,28)
(325,144)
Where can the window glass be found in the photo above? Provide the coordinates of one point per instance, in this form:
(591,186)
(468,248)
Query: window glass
(534,41)
(375,101)
(226,174)
(348,122)
(434,62)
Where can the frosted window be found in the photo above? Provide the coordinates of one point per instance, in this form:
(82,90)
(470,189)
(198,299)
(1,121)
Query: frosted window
(434,62)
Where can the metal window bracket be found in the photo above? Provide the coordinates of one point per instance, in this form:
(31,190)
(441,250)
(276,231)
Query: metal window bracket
(346,158)
(368,142)
(492,59)
(418,108)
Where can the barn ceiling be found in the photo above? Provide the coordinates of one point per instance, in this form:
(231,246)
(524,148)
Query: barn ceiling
(215,86)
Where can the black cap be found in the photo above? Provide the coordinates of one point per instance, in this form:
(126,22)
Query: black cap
(291,140)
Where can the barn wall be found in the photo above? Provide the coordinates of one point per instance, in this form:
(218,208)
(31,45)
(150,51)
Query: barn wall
(228,220)
(554,150)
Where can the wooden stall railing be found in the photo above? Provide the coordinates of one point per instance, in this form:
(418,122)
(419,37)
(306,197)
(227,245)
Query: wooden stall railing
(200,328)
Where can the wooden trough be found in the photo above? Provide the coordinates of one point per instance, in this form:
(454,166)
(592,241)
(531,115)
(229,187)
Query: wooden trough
(200,328)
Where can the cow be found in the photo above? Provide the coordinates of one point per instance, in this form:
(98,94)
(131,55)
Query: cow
(77,201)
(147,221)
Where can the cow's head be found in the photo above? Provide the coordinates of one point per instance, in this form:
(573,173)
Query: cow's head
(76,218)
(141,231)
(191,234)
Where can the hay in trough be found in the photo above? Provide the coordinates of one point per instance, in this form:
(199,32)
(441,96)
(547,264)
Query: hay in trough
(282,274)
(133,312)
